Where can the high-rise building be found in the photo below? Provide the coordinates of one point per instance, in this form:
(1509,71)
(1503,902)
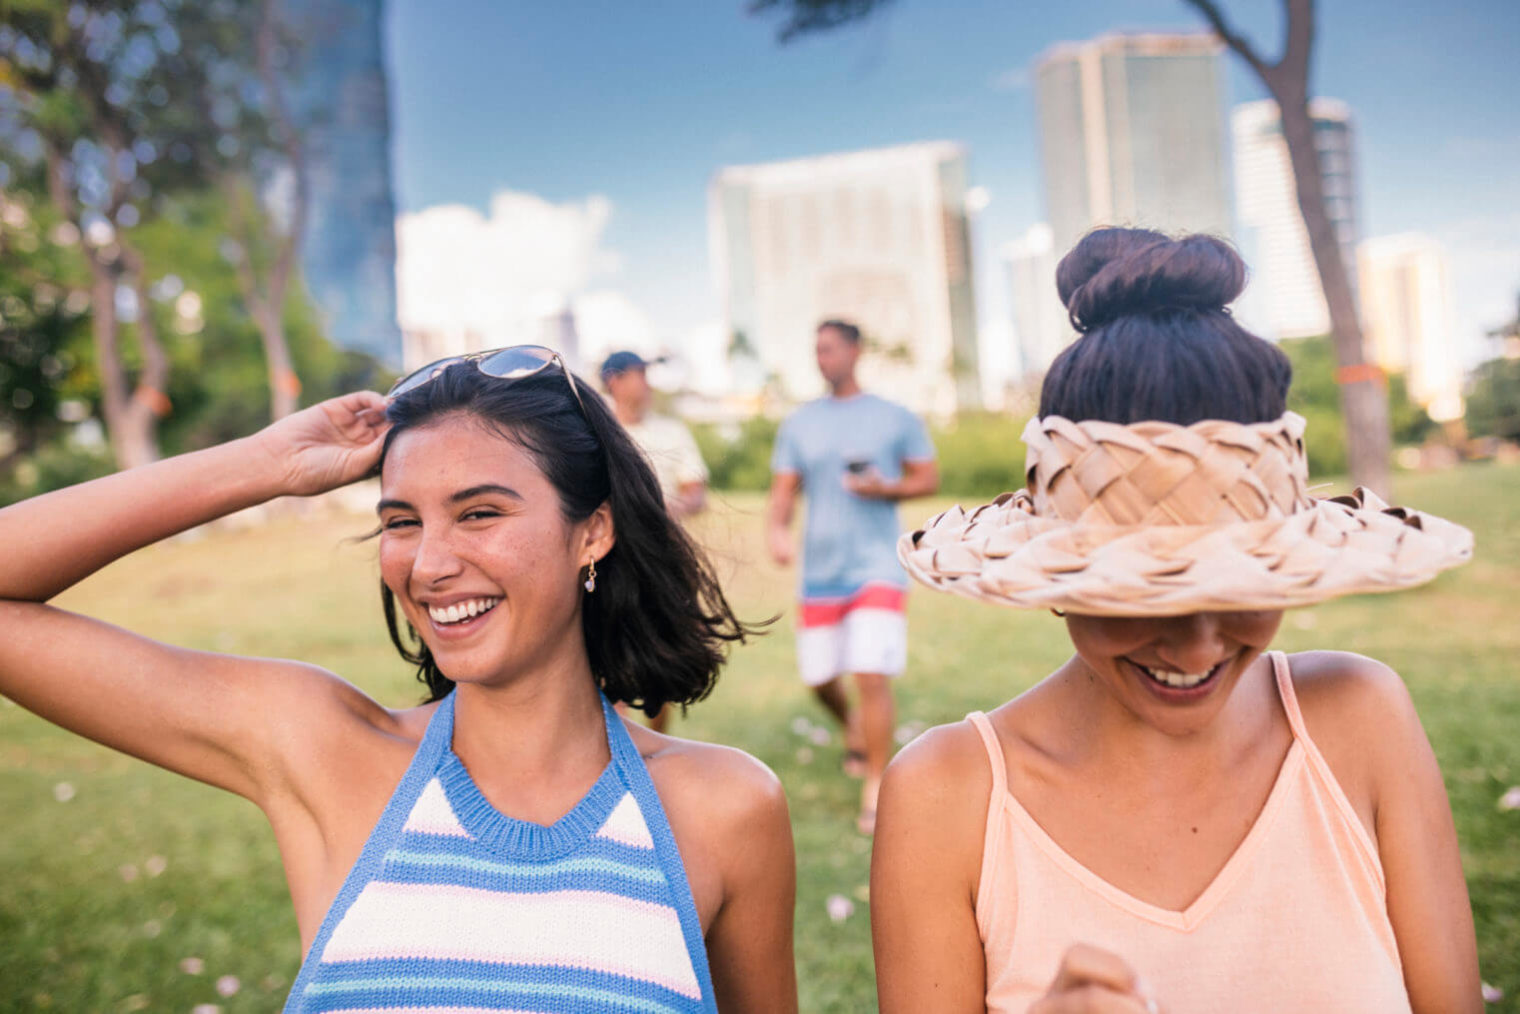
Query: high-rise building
(1407,318)
(1040,322)
(878,237)
(1132,133)
(1284,298)
(339,99)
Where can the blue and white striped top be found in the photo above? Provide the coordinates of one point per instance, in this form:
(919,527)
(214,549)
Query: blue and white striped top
(454,907)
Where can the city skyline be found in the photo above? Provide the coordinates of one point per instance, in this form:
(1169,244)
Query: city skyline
(528,103)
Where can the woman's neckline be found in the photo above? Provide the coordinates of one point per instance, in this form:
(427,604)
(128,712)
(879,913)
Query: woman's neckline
(510,835)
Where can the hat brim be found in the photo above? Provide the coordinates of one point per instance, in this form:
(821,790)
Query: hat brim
(1003,553)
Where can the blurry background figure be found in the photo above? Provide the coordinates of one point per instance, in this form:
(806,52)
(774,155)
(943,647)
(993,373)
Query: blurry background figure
(666,442)
(855,455)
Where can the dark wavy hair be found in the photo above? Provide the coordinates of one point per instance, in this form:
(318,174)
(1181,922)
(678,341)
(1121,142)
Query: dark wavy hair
(1157,340)
(658,627)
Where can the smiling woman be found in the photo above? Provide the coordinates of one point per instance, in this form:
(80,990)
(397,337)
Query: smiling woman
(511,843)
(1175,819)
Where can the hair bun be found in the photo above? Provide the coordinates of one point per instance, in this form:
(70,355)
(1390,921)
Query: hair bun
(1113,273)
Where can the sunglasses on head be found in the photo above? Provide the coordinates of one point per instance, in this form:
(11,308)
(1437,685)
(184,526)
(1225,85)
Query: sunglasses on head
(512,363)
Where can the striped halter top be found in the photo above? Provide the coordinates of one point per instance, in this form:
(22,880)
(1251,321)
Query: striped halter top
(453,906)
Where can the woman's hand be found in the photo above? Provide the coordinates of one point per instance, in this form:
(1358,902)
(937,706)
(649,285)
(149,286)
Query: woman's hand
(328,445)
(1095,981)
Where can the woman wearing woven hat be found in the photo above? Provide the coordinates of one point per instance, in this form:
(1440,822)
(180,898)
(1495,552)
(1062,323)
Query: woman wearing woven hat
(1177,818)
(511,843)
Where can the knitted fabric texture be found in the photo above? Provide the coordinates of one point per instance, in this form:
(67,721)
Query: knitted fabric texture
(454,906)
(1156,519)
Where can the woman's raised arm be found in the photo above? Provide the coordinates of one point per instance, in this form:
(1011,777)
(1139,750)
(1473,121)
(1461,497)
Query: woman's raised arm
(204,715)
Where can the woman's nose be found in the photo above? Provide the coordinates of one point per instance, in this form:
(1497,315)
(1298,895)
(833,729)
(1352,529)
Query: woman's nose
(1193,644)
(436,559)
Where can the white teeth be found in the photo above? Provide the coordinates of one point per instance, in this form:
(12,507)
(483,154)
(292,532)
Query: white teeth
(1180,680)
(461,610)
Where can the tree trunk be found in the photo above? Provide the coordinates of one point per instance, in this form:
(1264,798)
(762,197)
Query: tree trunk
(1364,397)
(284,385)
(151,398)
(1364,393)
(129,425)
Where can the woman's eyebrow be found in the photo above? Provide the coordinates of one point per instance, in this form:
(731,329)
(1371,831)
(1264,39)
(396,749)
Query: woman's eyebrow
(397,505)
(484,488)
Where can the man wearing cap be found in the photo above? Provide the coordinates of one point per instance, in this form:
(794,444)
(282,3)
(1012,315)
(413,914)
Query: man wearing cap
(854,455)
(666,442)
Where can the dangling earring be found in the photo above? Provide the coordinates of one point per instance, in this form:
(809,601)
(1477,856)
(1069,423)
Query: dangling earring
(591,576)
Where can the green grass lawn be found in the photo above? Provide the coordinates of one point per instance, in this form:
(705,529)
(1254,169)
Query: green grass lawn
(127,888)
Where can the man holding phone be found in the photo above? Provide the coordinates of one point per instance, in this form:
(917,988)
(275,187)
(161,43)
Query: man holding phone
(853,455)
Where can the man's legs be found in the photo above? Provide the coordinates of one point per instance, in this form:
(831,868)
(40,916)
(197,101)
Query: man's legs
(836,699)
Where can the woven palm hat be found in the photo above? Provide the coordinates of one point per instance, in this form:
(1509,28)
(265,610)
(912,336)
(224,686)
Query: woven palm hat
(1157,519)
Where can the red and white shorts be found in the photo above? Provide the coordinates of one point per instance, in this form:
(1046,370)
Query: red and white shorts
(864,630)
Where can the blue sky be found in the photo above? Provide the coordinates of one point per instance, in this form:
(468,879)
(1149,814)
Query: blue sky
(641,103)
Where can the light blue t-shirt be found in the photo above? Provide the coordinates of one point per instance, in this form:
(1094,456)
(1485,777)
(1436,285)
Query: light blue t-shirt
(848,540)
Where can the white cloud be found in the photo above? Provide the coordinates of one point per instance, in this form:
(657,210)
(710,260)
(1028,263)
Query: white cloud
(606,321)
(460,270)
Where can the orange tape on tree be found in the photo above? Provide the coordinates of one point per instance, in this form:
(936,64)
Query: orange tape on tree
(1359,373)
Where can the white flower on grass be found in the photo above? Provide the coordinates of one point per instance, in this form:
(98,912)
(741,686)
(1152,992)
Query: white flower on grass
(839,907)
(228,985)
(128,871)
(152,928)
(63,791)
(206,1008)
(820,736)
(908,732)
(804,755)
(801,726)
(156,865)
(192,966)
(1511,798)
(1492,994)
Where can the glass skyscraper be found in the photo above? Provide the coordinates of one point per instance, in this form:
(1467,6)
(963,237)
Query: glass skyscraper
(339,100)
(1132,133)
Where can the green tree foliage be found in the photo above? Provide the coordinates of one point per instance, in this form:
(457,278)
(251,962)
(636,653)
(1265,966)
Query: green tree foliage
(738,458)
(1315,396)
(44,335)
(1493,402)
(980,454)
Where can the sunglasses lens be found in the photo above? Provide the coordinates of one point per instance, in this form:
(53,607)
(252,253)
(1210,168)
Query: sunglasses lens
(417,378)
(520,361)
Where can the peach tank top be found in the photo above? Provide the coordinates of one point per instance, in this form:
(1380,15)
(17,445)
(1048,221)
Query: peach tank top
(1295,921)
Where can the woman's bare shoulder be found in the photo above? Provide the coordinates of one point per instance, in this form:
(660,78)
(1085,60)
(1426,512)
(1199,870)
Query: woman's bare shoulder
(1362,720)
(725,784)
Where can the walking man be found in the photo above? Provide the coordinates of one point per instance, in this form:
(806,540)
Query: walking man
(853,455)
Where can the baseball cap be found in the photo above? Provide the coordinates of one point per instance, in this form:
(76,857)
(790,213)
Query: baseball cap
(620,362)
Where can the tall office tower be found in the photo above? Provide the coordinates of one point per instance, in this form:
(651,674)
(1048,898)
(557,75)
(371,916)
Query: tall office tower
(338,97)
(1039,319)
(1285,299)
(1406,313)
(879,237)
(1132,133)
